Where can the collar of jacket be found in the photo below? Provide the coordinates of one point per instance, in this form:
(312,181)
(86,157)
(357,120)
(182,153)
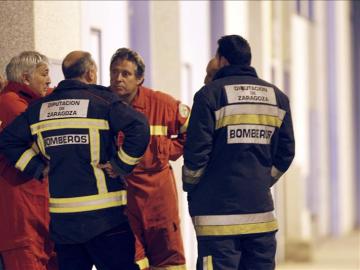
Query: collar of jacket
(140,98)
(70,85)
(235,70)
(77,85)
(21,89)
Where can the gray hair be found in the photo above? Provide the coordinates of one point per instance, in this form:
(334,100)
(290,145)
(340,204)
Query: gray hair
(25,62)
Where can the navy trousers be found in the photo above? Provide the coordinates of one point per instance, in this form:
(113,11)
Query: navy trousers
(112,250)
(241,252)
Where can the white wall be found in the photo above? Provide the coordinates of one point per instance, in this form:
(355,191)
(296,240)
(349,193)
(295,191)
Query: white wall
(320,198)
(194,46)
(195,54)
(111,18)
(57,27)
(236,18)
(165,46)
(345,135)
(298,218)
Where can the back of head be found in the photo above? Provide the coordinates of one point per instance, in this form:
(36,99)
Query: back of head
(76,64)
(132,56)
(24,63)
(235,49)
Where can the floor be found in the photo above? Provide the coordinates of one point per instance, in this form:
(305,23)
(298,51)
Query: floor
(332,254)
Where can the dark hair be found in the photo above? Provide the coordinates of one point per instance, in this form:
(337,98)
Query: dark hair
(132,56)
(235,49)
(78,68)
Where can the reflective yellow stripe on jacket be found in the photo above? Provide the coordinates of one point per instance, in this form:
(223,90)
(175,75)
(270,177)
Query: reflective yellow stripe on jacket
(192,176)
(143,263)
(93,125)
(249,114)
(221,225)
(76,123)
(158,130)
(128,159)
(95,159)
(88,203)
(169,267)
(207,263)
(26,157)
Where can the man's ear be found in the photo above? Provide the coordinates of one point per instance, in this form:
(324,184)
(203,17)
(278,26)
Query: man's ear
(223,62)
(92,75)
(25,78)
(140,80)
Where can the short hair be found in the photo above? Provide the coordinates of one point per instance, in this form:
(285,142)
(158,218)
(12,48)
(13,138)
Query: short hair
(235,49)
(132,56)
(25,62)
(79,67)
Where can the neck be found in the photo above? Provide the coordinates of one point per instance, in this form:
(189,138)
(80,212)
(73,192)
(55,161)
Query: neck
(129,98)
(81,79)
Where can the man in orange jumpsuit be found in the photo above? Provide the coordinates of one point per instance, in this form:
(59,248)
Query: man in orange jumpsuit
(24,217)
(152,197)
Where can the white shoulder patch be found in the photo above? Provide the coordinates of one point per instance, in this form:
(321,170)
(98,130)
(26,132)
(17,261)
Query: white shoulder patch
(184,110)
(250,93)
(65,108)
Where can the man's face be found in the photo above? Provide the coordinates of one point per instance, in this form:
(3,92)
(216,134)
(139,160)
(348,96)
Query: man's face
(93,74)
(123,80)
(39,81)
(211,69)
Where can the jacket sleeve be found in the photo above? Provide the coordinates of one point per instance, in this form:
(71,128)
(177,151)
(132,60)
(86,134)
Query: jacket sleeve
(285,151)
(199,141)
(10,108)
(16,143)
(136,132)
(181,120)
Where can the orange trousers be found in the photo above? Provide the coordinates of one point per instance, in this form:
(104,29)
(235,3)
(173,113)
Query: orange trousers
(155,222)
(25,259)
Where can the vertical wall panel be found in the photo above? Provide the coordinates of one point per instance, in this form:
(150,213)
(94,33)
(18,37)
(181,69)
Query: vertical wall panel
(139,32)
(356,101)
(110,18)
(217,23)
(345,129)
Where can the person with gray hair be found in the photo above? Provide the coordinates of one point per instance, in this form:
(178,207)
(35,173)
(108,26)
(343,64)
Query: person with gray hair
(24,229)
(75,128)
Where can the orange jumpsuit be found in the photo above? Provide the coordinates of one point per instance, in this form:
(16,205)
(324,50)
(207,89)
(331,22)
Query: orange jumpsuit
(152,197)
(24,218)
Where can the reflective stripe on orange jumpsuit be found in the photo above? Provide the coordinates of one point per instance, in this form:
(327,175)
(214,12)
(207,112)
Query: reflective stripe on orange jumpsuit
(24,226)
(152,197)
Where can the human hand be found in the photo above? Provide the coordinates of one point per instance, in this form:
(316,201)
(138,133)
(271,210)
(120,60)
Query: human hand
(46,171)
(107,167)
(3,82)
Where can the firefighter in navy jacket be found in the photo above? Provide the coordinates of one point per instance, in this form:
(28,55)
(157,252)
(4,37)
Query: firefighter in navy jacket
(240,141)
(74,130)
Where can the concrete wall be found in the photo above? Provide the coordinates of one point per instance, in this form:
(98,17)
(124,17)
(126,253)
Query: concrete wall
(57,27)
(16,29)
(110,18)
(165,46)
